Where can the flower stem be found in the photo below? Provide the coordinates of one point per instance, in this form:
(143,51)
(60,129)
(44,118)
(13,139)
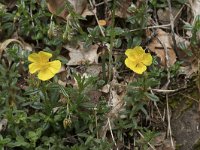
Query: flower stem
(112,37)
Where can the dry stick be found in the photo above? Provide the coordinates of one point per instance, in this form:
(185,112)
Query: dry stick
(167,63)
(103,34)
(101,3)
(172,28)
(189,97)
(157,107)
(112,133)
(147,142)
(152,27)
(96,121)
(150,89)
(164,26)
(169,132)
(169,121)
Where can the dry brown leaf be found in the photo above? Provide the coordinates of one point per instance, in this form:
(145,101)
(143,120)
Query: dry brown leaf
(116,103)
(156,47)
(195,7)
(122,10)
(94,96)
(189,70)
(94,70)
(79,55)
(164,15)
(106,88)
(57,7)
(79,6)
(161,143)
(10,3)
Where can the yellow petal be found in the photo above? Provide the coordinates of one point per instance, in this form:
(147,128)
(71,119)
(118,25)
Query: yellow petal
(34,57)
(139,50)
(135,53)
(139,68)
(130,64)
(135,66)
(44,56)
(40,57)
(34,67)
(54,66)
(45,74)
(147,59)
(50,71)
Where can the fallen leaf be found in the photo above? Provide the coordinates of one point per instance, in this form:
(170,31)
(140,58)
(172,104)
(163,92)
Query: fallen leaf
(106,88)
(79,5)
(122,9)
(164,15)
(116,102)
(156,47)
(94,70)
(10,3)
(80,55)
(58,7)
(195,7)
(94,95)
(190,69)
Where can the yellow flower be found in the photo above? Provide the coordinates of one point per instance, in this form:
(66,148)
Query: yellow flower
(40,63)
(137,59)
(102,22)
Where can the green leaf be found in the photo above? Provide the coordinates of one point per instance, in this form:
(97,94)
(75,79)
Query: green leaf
(136,41)
(152,97)
(117,43)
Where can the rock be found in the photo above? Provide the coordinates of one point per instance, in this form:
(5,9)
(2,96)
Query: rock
(185,125)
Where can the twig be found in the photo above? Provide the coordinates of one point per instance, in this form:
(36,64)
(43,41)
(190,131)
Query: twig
(166,87)
(172,28)
(167,63)
(179,12)
(152,27)
(169,130)
(158,109)
(96,120)
(101,3)
(189,97)
(112,133)
(91,4)
(147,142)
(165,91)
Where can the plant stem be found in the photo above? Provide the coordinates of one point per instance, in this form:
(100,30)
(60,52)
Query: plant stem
(112,37)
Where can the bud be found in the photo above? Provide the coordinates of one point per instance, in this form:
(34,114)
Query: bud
(67,122)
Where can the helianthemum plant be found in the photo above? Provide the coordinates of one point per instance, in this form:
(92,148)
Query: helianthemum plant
(40,63)
(137,60)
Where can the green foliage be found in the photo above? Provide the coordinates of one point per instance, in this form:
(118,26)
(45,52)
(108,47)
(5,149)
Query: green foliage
(47,115)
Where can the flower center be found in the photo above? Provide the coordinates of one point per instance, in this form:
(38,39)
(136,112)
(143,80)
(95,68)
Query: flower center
(44,66)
